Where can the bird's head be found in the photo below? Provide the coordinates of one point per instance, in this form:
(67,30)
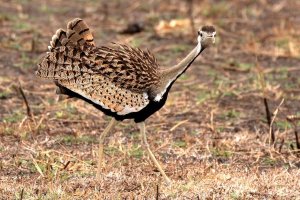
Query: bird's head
(206,36)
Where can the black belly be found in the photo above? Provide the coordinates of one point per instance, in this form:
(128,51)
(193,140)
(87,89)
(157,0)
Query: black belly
(139,116)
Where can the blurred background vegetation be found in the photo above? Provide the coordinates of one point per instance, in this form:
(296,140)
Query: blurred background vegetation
(213,127)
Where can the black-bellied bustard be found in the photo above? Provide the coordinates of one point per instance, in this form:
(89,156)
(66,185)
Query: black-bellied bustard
(121,81)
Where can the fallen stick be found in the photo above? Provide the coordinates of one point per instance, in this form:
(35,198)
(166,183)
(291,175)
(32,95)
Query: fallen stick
(269,120)
(28,109)
(271,132)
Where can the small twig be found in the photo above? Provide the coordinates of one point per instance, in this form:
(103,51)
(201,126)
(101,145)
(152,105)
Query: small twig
(40,122)
(178,124)
(157,192)
(271,134)
(262,81)
(22,194)
(297,138)
(281,145)
(292,119)
(268,114)
(269,119)
(28,109)
(23,121)
(66,165)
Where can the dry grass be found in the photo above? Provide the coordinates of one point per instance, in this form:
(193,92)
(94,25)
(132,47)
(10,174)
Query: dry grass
(212,136)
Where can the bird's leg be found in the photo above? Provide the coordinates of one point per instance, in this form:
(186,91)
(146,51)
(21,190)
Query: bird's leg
(111,124)
(143,132)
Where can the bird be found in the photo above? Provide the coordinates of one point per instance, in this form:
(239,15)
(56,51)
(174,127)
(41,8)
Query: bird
(121,81)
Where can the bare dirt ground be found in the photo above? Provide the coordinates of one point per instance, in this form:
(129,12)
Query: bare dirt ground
(212,136)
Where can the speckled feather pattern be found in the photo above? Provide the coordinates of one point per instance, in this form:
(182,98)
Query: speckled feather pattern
(117,78)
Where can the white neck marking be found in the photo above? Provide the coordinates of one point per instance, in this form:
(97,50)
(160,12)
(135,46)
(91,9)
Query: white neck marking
(160,95)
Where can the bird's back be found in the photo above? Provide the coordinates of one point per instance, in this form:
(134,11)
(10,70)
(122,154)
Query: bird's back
(117,79)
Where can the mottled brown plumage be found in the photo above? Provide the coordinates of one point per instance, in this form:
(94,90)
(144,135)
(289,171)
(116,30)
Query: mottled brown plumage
(117,78)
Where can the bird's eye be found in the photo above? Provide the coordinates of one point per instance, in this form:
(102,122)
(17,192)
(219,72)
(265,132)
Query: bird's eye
(200,33)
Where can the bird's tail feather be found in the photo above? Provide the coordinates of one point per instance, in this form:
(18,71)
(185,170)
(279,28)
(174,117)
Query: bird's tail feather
(78,33)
